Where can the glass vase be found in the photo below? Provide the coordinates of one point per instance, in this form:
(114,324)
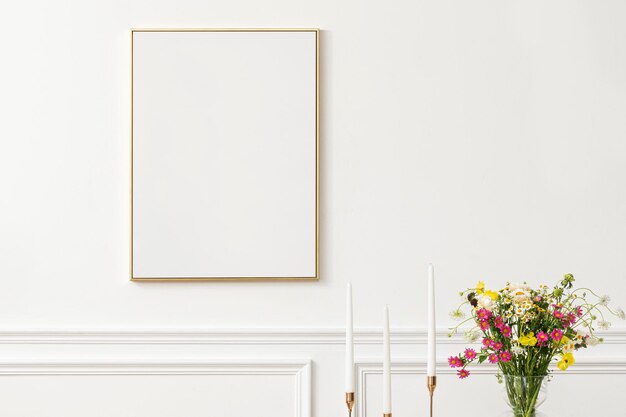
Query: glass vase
(524,394)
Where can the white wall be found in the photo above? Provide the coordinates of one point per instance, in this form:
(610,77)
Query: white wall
(486,137)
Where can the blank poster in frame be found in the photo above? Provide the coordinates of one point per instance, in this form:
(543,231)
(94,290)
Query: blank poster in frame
(224,154)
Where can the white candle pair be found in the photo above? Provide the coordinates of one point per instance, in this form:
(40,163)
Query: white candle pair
(431,353)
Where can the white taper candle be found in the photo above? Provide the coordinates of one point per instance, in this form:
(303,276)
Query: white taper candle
(349,341)
(432,348)
(386,365)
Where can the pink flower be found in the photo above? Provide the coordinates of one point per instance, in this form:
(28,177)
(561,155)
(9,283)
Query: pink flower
(542,338)
(455,362)
(498,322)
(487,343)
(484,325)
(579,311)
(483,314)
(463,373)
(537,298)
(496,346)
(493,358)
(470,354)
(565,322)
(506,331)
(558,314)
(572,318)
(506,356)
(556,335)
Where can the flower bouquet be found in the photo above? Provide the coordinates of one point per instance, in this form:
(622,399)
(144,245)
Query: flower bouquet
(524,329)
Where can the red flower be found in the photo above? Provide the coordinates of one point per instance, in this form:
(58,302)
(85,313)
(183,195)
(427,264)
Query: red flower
(499,322)
(506,331)
(556,335)
(558,314)
(484,325)
(463,373)
(572,318)
(497,346)
(483,314)
(579,311)
(455,362)
(505,356)
(487,343)
(542,338)
(493,358)
(470,354)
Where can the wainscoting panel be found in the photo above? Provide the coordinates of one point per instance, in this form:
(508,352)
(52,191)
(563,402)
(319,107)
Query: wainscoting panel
(261,372)
(158,389)
(409,393)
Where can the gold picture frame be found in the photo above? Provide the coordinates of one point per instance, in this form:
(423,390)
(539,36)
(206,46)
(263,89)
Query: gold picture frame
(316,276)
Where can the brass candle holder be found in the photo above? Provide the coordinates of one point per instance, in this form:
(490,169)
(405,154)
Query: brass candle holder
(386,414)
(350,402)
(431,383)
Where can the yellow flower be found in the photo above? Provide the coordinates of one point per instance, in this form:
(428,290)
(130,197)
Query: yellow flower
(566,361)
(480,287)
(568,345)
(492,294)
(528,339)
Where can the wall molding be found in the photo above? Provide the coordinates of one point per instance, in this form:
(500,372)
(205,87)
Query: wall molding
(299,369)
(417,367)
(612,365)
(239,336)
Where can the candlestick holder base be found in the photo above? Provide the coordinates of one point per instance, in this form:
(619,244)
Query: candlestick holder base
(350,402)
(386,414)
(431,383)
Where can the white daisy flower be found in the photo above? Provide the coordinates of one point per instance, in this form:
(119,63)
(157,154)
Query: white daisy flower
(604,325)
(519,292)
(604,300)
(486,302)
(517,350)
(593,341)
(569,347)
(620,313)
(457,315)
(581,335)
(472,336)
